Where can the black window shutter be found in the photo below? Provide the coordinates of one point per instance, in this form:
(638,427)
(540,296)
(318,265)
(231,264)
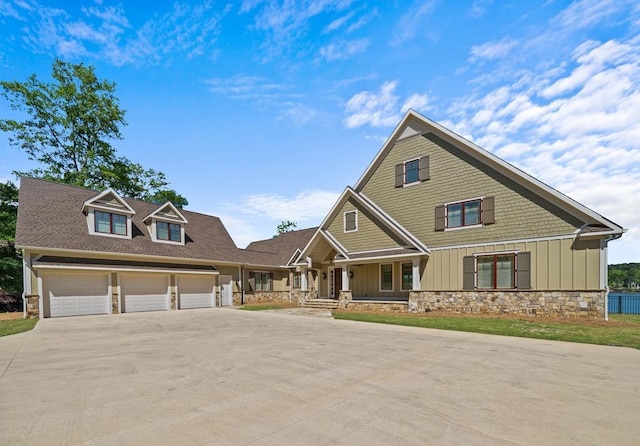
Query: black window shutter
(440,218)
(424,168)
(399,175)
(252,281)
(488,210)
(523,278)
(468,273)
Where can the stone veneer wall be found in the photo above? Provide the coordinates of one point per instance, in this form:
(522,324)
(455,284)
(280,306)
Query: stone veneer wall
(114,303)
(346,302)
(33,306)
(567,304)
(260,297)
(299,296)
(237,298)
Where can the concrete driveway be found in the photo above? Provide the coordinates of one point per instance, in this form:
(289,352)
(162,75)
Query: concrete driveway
(266,378)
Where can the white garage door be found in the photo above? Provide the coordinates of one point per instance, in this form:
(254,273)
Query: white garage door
(76,294)
(196,291)
(145,292)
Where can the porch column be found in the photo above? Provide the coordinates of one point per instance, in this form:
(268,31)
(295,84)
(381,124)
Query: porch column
(345,278)
(416,274)
(303,279)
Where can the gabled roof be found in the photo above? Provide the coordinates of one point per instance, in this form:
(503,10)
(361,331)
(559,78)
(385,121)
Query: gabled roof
(282,250)
(415,124)
(50,216)
(167,212)
(109,200)
(412,242)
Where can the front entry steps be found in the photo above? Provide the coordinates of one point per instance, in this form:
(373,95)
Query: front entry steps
(321,304)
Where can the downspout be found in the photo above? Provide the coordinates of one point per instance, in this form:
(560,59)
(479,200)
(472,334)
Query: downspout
(606,273)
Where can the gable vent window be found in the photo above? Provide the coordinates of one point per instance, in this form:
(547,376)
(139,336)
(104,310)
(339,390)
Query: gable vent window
(108,223)
(412,171)
(351,221)
(469,213)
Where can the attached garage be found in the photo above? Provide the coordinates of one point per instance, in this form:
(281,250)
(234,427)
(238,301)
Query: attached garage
(196,291)
(144,292)
(75,294)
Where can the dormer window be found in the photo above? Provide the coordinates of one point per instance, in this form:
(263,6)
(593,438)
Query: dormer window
(109,223)
(108,215)
(166,225)
(168,231)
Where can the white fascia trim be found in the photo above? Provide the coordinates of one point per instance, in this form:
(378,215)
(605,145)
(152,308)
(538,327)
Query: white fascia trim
(102,195)
(121,270)
(379,258)
(493,253)
(122,255)
(377,250)
(174,209)
(294,257)
(599,234)
(464,201)
(334,243)
(504,242)
(392,224)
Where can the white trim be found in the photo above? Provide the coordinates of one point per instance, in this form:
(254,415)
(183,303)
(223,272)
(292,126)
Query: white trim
(458,228)
(379,250)
(294,257)
(335,243)
(119,199)
(393,285)
(404,172)
(119,293)
(504,242)
(377,259)
(41,298)
(123,270)
(464,201)
(91,225)
(180,218)
(402,278)
(344,225)
(495,253)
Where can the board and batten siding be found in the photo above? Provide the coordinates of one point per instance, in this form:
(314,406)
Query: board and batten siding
(366,281)
(369,235)
(456,176)
(560,264)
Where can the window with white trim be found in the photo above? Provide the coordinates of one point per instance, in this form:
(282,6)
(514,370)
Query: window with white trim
(168,231)
(412,171)
(386,277)
(496,271)
(407,276)
(350,221)
(466,213)
(110,223)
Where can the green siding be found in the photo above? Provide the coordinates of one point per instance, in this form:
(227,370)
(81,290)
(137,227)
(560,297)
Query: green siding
(456,176)
(370,234)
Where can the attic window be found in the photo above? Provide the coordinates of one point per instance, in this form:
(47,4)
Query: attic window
(109,223)
(412,171)
(168,231)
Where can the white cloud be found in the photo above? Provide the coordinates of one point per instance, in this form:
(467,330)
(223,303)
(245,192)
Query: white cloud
(245,87)
(381,108)
(479,8)
(338,23)
(586,13)
(492,50)
(343,50)
(409,24)
(308,205)
(240,230)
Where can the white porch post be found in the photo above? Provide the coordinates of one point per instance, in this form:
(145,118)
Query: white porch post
(345,278)
(416,274)
(303,279)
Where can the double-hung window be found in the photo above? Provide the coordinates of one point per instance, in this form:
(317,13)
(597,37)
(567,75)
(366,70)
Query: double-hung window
(466,213)
(497,271)
(168,231)
(412,171)
(109,223)
(263,281)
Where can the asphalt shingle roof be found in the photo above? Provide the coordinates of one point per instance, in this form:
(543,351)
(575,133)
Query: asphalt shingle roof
(282,246)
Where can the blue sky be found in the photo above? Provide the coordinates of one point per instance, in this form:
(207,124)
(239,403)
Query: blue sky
(260,111)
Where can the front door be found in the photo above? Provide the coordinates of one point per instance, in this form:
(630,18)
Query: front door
(336,282)
(226,292)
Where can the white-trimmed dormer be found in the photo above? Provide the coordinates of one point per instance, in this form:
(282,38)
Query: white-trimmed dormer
(166,225)
(108,215)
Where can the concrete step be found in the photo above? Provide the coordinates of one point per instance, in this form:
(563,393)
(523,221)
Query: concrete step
(327,304)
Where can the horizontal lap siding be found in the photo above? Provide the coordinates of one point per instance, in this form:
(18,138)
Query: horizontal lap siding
(555,264)
(519,214)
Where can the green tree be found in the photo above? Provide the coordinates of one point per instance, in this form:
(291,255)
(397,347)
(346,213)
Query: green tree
(69,128)
(286,226)
(10,260)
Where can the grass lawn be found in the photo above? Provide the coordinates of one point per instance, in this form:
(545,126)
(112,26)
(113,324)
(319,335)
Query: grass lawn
(267,306)
(12,323)
(620,330)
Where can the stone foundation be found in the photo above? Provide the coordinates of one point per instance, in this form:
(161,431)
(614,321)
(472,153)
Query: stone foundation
(564,304)
(237,298)
(33,306)
(377,306)
(261,297)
